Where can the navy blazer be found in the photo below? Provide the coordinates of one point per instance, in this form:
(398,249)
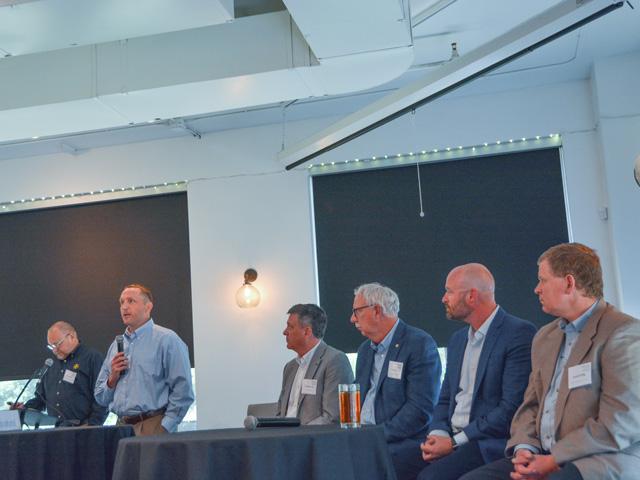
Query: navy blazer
(405,406)
(501,379)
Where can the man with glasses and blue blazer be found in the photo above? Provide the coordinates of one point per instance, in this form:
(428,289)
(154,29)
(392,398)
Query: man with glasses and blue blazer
(398,369)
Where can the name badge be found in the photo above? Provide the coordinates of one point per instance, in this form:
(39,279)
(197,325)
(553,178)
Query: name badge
(395,370)
(580,375)
(309,386)
(69,376)
(9,420)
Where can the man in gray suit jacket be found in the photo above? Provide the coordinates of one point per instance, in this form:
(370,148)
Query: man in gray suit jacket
(310,381)
(580,418)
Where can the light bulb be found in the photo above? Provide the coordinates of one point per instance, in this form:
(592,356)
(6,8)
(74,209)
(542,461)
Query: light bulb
(247,296)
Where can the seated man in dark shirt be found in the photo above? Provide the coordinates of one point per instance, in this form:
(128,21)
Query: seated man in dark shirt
(66,390)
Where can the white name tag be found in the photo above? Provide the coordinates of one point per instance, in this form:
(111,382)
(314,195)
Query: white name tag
(9,420)
(395,370)
(309,386)
(69,376)
(580,375)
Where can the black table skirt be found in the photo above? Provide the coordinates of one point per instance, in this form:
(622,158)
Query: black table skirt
(61,453)
(312,452)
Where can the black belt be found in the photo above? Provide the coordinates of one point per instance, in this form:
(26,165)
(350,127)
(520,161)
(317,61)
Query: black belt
(140,417)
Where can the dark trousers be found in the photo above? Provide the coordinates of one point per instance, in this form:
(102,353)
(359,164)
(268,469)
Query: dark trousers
(462,460)
(407,458)
(501,470)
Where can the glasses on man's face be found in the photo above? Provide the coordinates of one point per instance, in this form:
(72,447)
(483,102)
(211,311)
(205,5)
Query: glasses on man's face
(357,309)
(55,345)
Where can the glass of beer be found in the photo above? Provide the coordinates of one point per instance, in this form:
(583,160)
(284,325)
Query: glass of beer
(345,405)
(354,405)
(349,402)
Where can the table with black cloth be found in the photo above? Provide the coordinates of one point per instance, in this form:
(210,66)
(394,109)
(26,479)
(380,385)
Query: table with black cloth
(60,453)
(310,452)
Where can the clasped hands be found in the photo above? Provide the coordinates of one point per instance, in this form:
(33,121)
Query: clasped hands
(526,464)
(435,447)
(530,466)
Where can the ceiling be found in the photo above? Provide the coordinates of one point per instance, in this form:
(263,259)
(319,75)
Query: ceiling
(79,75)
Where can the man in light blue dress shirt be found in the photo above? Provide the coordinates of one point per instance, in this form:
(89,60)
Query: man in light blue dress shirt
(488,366)
(149,384)
(398,369)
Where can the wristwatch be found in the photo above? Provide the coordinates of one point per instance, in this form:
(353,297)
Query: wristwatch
(454,444)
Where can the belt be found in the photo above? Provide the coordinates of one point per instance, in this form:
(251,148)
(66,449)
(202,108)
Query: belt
(140,417)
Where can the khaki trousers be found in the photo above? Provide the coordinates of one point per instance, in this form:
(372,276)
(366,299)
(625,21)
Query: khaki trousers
(150,426)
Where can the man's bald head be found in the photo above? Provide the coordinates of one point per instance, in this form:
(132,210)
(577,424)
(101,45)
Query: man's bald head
(469,293)
(62,339)
(475,276)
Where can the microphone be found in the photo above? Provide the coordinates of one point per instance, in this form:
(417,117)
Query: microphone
(251,422)
(48,363)
(39,373)
(120,345)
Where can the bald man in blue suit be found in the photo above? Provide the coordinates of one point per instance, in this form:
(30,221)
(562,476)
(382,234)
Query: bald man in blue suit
(488,366)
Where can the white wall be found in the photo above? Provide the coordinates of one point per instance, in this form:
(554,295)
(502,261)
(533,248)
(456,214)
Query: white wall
(260,222)
(618,110)
(244,211)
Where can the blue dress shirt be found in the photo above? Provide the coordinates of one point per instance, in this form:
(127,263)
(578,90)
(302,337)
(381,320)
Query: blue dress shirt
(368,414)
(158,376)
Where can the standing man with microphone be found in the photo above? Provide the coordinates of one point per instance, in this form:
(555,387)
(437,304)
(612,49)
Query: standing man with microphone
(66,388)
(146,381)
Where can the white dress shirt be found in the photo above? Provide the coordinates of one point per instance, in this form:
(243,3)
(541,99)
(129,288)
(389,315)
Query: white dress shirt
(464,397)
(296,386)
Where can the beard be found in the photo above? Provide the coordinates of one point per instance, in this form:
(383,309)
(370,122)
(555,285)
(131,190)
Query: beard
(457,312)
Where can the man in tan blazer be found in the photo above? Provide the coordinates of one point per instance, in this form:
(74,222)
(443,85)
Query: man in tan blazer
(310,381)
(580,418)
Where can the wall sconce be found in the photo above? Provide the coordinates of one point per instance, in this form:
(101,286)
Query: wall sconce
(248,296)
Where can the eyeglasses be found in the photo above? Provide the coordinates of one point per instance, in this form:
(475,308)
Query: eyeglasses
(55,345)
(357,309)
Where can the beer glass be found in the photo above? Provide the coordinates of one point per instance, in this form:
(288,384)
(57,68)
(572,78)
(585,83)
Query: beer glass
(349,402)
(354,405)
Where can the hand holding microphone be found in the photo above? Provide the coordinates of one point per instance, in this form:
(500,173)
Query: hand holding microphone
(119,363)
(120,347)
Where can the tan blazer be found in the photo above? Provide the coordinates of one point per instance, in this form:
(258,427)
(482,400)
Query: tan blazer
(597,425)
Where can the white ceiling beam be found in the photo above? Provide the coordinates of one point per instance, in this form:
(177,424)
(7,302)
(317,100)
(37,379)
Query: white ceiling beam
(427,13)
(539,30)
(336,28)
(255,60)
(38,26)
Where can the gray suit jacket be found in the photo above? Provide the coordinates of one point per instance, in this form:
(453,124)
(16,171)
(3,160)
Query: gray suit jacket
(329,367)
(597,425)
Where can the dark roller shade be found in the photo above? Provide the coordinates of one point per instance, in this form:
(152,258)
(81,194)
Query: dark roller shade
(502,211)
(71,263)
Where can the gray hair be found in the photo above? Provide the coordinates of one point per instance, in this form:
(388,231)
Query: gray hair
(376,294)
